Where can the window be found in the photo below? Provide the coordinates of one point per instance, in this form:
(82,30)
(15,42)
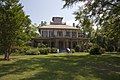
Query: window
(68,33)
(74,34)
(59,33)
(44,34)
(51,34)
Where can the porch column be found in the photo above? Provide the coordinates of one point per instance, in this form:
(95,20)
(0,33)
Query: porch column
(50,43)
(83,44)
(71,45)
(77,42)
(56,43)
(48,33)
(64,44)
(67,44)
(71,33)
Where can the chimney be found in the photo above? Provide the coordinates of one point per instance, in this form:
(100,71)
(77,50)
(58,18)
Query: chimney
(73,24)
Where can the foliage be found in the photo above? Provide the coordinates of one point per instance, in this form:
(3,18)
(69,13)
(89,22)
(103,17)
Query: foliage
(24,38)
(32,31)
(20,50)
(42,45)
(73,50)
(53,50)
(12,22)
(32,51)
(105,41)
(111,48)
(105,14)
(85,23)
(95,50)
(118,50)
(77,48)
(44,50)
(43,23)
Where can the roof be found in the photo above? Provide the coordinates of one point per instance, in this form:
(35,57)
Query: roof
(56,17)
(58,27)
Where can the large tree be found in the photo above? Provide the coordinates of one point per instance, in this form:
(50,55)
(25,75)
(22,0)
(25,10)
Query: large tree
(12,21)
(104,13)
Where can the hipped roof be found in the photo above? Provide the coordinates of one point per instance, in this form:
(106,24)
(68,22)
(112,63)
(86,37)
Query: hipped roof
(58,27)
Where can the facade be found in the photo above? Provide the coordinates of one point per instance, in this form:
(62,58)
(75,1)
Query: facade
(59,35)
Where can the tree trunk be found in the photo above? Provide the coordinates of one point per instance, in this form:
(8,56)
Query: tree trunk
(6,57)
(7,54)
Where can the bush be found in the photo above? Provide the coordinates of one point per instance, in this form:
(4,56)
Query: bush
(53,50)
(73,50)
(102,50)
(42,45)
(44,50)
(95,50)
(33,51)
(111,48)
(118,50)
(18,50)
(77,48)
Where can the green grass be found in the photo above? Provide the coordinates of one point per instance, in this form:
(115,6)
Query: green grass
(61,67)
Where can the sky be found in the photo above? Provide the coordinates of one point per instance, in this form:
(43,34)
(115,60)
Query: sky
(44,10)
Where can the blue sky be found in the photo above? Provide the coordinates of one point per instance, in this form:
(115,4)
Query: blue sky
(44,10)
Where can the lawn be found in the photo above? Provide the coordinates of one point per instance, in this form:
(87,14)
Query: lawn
(80,66)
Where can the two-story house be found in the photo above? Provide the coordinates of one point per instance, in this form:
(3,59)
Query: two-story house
(60,35)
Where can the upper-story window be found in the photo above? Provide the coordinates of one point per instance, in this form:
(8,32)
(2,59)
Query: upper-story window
(44,34)
(74,34)
(51,33)
(59,33)
(68,33)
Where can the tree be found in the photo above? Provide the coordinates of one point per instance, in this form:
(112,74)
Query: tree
(32,31)
(85,22)
(12,22)
(104,13)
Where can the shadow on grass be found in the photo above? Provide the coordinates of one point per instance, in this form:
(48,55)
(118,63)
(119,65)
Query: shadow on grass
(67,67)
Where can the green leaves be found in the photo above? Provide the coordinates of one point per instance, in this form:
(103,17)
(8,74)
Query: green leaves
(12,22)
(104,13)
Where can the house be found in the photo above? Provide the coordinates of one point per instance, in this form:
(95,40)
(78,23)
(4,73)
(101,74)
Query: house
(59,35)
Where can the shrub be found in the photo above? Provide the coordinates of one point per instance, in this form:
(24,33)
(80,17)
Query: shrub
(85,50)
(42,46)
(95,50)
(118,50)
(24,49)
(111,48)
(73,50)
(77,48)
(20,50)
(33,51)
(53,50)
(44,50)
(102,50)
